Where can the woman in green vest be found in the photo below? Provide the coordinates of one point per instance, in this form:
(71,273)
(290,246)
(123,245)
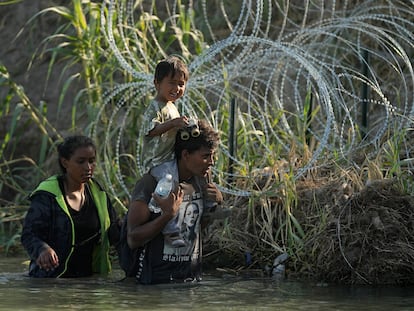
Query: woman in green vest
(71,223)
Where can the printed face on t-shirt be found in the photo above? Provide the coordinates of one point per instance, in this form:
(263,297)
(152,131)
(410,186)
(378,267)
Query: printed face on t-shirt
(191,214)
(189,222)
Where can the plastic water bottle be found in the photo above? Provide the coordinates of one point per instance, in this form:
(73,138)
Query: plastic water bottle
(164,186)
(163,189)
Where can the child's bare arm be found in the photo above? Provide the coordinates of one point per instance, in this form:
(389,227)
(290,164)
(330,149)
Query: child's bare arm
(161,128)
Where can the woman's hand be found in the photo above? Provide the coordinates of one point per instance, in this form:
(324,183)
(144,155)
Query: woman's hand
(171,204)
(48,259)
(212,193)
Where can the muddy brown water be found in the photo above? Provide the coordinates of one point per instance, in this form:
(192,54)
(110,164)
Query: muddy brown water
(215,292)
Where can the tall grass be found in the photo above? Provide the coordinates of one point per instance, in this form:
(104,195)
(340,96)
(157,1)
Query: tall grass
(295,74)
(17,171)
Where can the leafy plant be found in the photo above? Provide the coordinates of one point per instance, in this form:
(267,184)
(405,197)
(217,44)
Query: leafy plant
(296,83)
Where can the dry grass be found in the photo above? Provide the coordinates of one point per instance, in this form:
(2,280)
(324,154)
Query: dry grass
(353,233)
(367,238)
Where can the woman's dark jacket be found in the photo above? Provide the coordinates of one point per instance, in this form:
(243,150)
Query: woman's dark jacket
(48,224)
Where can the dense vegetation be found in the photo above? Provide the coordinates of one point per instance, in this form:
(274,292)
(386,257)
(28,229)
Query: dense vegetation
(316,155)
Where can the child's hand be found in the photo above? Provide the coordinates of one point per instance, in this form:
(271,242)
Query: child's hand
(181,122)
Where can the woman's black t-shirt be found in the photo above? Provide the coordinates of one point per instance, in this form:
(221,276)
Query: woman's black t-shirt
(160,262)
(87,234)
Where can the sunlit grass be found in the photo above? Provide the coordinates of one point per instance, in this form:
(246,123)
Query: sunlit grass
(295,75)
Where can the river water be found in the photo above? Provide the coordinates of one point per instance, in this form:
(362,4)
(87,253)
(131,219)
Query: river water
(224,292)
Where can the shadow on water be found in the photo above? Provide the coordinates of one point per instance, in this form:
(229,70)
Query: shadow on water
(19,292)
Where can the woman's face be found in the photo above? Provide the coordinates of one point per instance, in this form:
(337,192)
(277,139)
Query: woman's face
(191,215)
(197,163)
(81,165)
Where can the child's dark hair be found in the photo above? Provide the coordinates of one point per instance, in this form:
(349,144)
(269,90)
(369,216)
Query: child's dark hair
(208,137)
(170,66)
(68,147)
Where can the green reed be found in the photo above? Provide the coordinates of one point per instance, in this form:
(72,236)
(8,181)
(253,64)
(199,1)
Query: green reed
(267,221)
